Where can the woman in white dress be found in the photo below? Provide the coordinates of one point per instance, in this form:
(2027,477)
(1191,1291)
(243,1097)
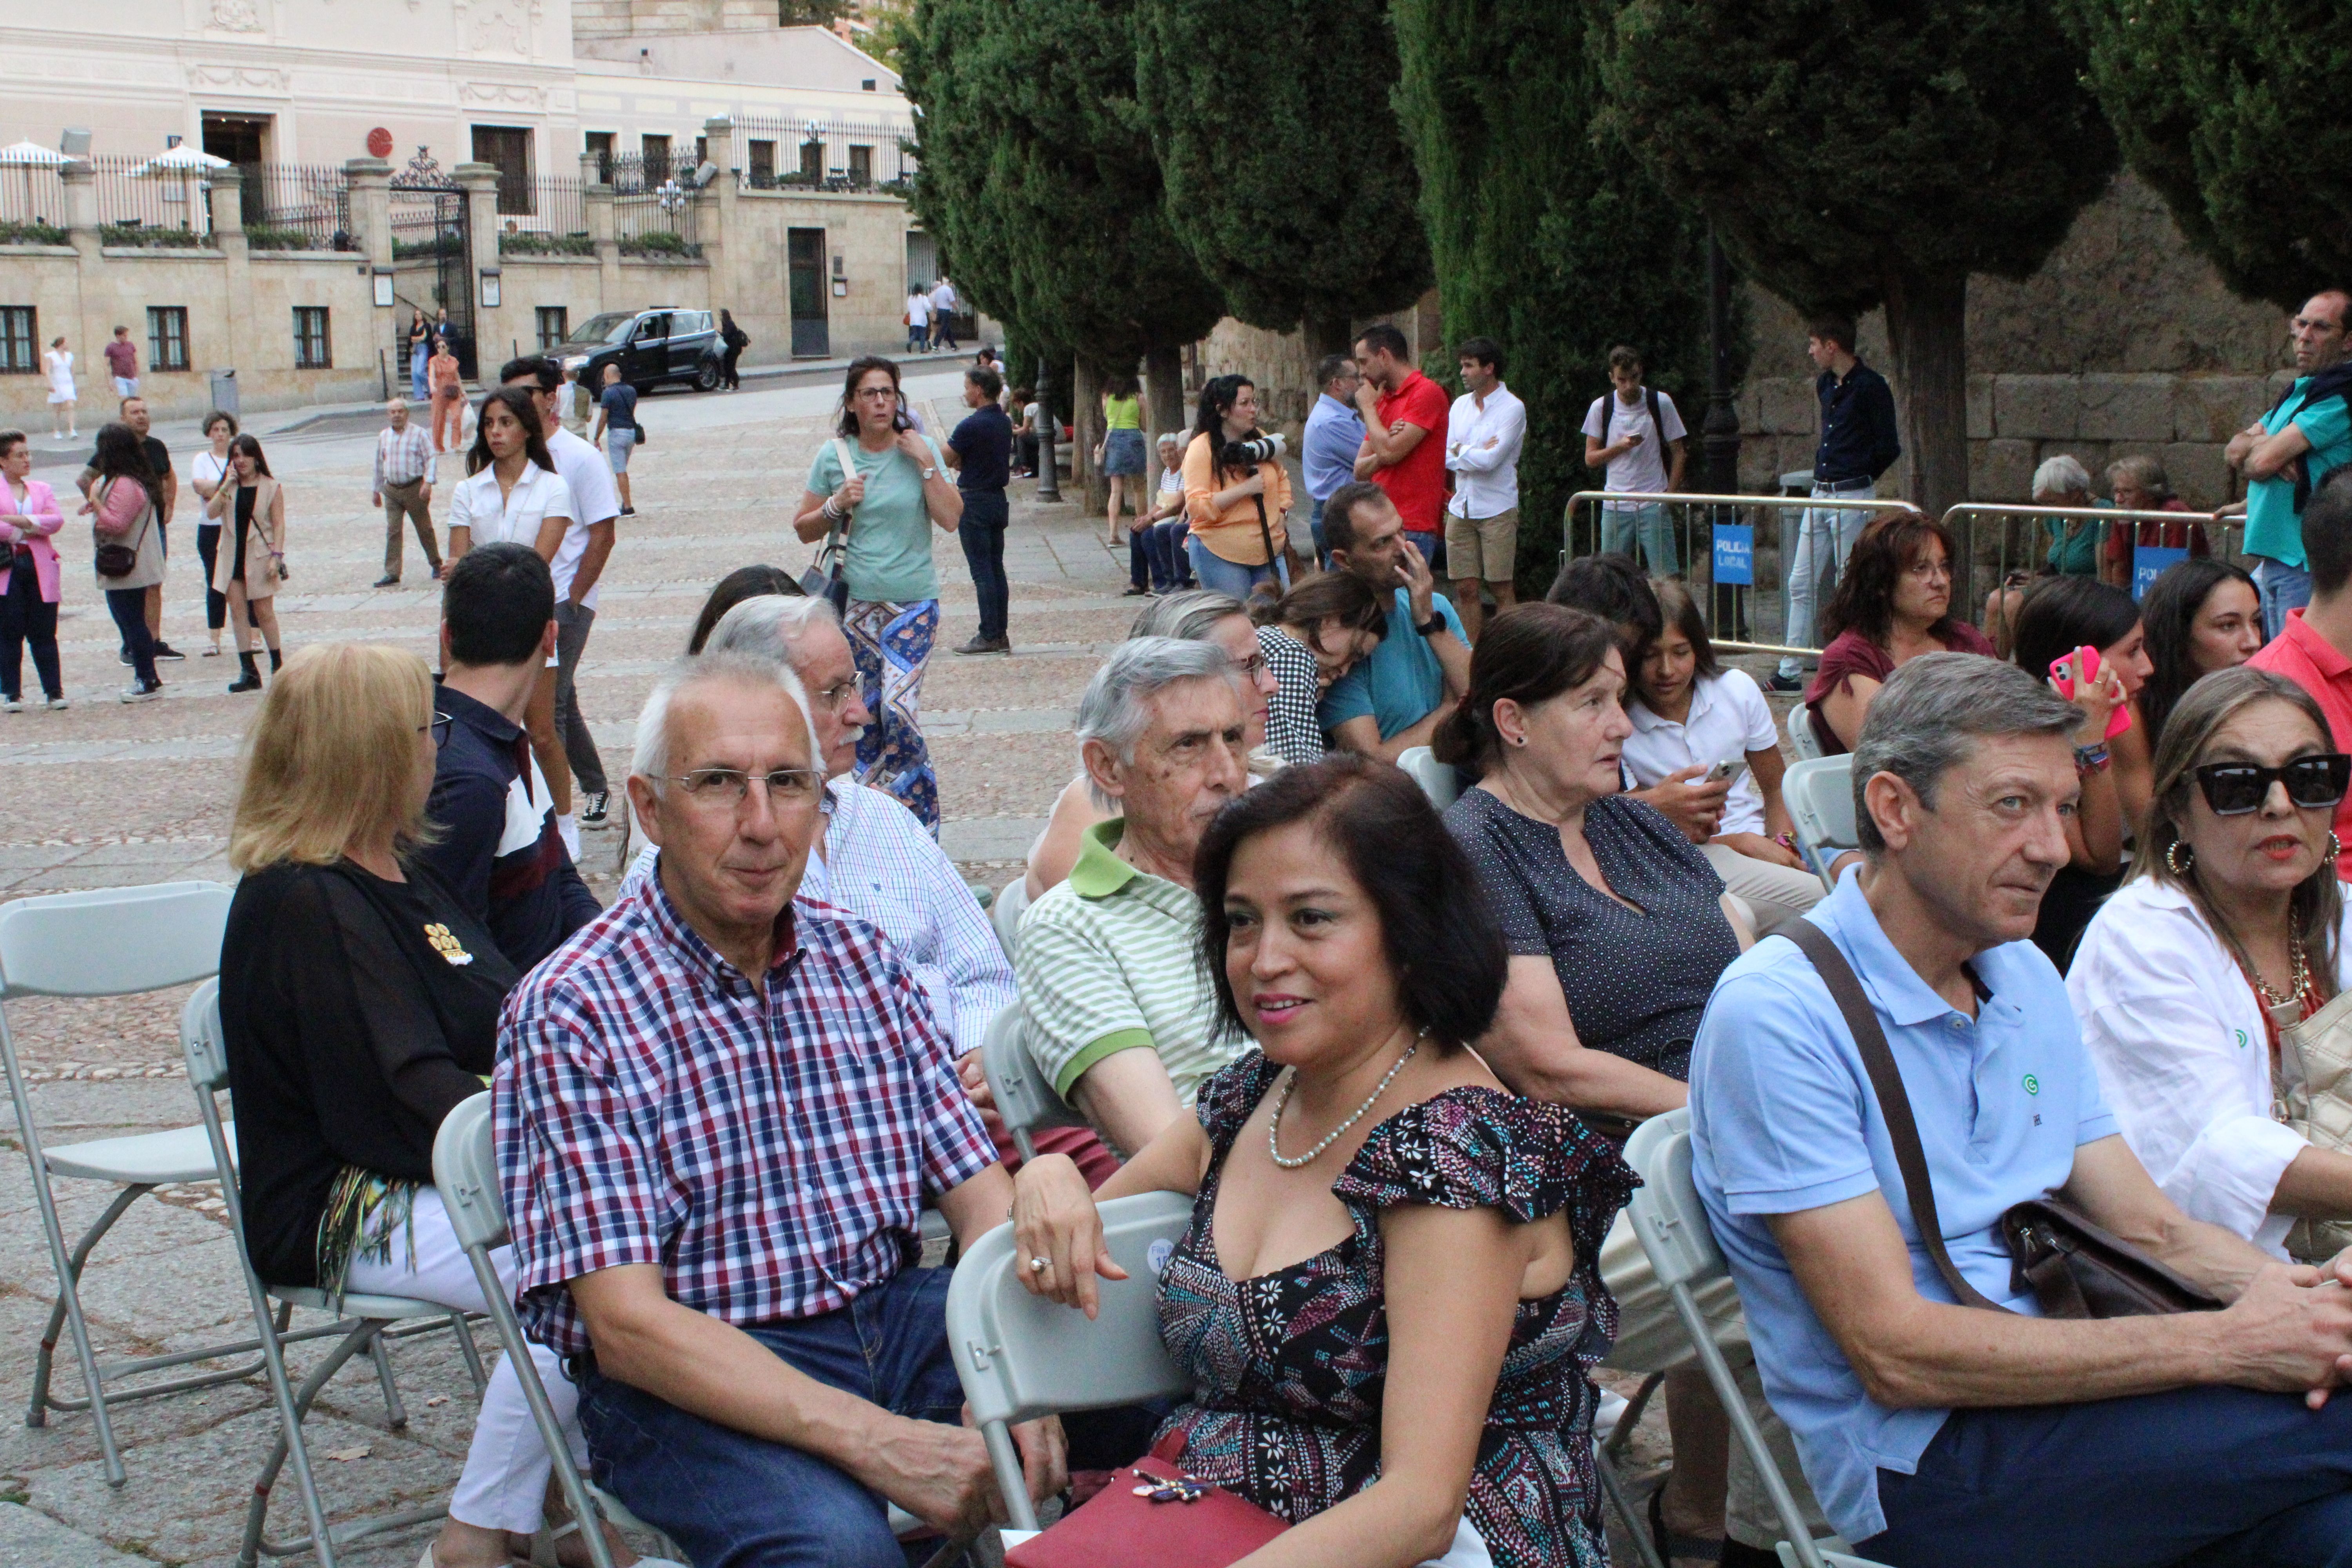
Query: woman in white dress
(59,360)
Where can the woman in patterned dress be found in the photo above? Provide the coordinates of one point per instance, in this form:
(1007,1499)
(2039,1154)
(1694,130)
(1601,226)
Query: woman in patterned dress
(1387,1300)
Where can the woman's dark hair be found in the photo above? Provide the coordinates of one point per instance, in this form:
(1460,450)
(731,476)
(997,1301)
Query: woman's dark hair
(2170,611)
(1121,386)
(251,446)
(1217,400)
(1327,595)
(10,440)
(120,455)
(1612,587)
(743,583)
(2062,614)
(727,318)
(846,426)
(1529,654)
(219,416)
(1443,943)
(1679,609)
(1863,599)
(519,402)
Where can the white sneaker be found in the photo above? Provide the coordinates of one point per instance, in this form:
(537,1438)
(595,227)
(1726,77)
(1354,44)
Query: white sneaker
(12,705)
(56,704)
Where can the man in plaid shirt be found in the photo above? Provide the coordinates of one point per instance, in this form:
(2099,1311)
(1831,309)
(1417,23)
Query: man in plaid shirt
(717,1116)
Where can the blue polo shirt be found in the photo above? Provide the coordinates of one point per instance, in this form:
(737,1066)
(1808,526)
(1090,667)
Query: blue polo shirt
(1401,681)
(1783,1119)
(2272,527)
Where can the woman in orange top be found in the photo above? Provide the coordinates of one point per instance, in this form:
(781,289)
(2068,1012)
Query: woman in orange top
(1235,512)
(448,397)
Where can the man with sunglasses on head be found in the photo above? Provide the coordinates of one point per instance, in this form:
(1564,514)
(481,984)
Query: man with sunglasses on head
(500,849)
(2314,651)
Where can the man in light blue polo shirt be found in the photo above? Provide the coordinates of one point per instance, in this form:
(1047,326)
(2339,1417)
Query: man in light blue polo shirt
(1395,696)
(1939,1435)
(2285,454)
(1334,434)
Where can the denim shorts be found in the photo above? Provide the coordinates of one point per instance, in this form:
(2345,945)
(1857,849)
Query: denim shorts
(618,445)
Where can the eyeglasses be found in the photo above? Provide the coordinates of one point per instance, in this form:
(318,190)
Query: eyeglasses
(2312,783)
(440,728)
(732,786)
(1929,571)
(833,699)
(1250,668)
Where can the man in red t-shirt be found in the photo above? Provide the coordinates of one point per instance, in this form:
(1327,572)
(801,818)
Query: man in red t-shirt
(2314,651)
(1403,410)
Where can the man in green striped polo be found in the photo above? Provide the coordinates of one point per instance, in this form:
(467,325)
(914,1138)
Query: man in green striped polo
(1116,1006)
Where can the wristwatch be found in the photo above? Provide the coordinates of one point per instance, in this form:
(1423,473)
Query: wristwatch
(1431,627)
(930,474)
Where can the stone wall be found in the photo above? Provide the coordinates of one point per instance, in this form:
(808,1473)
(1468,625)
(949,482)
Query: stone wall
(1281,365)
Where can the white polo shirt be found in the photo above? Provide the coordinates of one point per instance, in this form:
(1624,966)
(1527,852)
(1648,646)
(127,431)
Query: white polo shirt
(1728,719)
(587,473)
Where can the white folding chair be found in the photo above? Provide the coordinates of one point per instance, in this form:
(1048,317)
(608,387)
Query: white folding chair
(1672,1225)
(1820,797)
(1021,1356)
(362,1321)
(1025,1097)
(1437,779)
(1803,745)
(1004,911)
(110,943)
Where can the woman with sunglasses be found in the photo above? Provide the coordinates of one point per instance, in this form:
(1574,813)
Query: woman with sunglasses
(2230,928)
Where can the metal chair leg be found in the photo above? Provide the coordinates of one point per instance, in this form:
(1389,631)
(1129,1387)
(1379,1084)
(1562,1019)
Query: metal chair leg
(395,1413)
(466,1347)
(1637,1528)
(1622,1436)
(45,1359)
(291,1444)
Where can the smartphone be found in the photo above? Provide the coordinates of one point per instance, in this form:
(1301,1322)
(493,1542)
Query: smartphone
(2086,660)
(1729,768)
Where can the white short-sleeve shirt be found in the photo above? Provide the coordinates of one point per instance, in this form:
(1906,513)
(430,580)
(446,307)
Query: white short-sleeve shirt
(587,473)
(514,517)
(1728,719)
(1642,470)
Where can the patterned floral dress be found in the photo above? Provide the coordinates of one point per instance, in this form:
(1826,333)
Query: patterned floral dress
(1288,1368)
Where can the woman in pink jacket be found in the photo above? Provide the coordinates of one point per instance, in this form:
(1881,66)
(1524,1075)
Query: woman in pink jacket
(28,576)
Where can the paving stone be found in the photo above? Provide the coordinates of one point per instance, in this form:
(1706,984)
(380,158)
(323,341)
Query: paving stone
(30,1540)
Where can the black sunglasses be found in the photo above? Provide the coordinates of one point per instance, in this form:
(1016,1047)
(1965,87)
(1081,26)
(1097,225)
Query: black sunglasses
(2233,789)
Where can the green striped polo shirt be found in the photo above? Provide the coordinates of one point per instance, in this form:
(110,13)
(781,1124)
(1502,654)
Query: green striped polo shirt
(1109,961)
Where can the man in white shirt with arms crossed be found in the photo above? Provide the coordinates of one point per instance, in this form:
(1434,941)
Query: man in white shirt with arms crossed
(1484,433)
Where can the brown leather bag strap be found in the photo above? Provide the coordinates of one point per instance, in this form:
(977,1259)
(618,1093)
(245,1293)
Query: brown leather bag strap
(1894,1102)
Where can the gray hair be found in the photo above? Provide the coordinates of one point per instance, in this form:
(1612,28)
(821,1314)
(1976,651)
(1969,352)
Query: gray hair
(1189,615)
(1117,707)
(390,404)
(651,761)
(2142,470)
(1171,438)
(1931,712)
(769,625)
(2061,475)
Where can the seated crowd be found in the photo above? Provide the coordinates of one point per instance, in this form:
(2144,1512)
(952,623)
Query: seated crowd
(1392,1057)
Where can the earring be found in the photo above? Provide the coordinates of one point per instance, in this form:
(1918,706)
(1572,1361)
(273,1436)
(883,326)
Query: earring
(2172,861)
(2335,846)
(1518,740)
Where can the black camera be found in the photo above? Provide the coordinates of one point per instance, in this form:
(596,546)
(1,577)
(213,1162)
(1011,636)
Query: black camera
(1262,447)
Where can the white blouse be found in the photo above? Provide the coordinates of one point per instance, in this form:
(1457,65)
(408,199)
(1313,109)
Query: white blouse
(2184,1057)
(515,517)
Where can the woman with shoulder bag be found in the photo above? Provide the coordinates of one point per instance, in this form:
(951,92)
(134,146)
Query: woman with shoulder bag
(124,503)
(28,575)
(879,489)
(2226,941)
(249,573)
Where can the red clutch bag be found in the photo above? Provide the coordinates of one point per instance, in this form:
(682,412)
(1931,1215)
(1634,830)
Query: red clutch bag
(1194,1525)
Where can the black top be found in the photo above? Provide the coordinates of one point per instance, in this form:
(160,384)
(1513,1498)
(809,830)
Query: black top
(500,850)
(1858,436)
(620,401)
(984,442)
(357,1014)
(1636,980)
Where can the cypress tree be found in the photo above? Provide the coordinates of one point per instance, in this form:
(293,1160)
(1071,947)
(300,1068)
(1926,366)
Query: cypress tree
(1857,153)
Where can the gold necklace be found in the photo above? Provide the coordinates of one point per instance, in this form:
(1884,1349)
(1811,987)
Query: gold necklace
(2299,978)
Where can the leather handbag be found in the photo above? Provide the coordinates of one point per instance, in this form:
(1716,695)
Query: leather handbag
(2073,1269)
(115,558)
(824,580)
(2311,1088)
(1150,1517)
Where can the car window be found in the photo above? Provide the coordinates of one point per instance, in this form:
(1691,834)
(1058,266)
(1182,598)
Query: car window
(654,326)
(701,322)
(612,326)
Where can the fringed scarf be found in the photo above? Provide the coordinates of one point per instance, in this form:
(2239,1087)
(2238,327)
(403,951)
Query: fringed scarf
(364,1211)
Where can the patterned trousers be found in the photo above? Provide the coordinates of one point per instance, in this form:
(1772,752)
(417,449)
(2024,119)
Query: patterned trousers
(891,643)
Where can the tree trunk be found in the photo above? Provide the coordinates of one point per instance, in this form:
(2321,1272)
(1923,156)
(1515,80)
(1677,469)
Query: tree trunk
(1163,390)
(1927,321)
(1085,426)
(1325,335)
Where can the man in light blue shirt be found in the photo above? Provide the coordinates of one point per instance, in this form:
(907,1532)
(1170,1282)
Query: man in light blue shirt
(1335,434)
(1393,698)
(2285,454)
(1941,1435)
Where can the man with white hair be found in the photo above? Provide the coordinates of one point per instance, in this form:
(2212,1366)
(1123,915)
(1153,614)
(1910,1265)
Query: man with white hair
(2063,480)
(719,1114)
(1116,1006)
(403,487)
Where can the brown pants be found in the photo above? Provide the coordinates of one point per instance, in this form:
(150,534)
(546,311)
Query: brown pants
(407,501)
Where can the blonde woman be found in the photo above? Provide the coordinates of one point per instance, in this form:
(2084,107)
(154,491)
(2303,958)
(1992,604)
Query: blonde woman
(359,1006)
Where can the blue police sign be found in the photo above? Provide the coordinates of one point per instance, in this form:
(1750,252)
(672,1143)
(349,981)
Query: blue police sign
(1735,553)
(2151,561)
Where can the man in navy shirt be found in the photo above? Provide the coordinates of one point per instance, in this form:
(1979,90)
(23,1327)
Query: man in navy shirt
(1858,444)
(500,849)
(981,452)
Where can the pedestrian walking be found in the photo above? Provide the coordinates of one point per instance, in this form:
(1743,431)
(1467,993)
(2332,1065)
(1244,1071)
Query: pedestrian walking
(736,339)
(207,474)
(252,506)
(1119,454)
(1636,436)
(28,576)
(919,320)
(1484,433)
(58,360)
(167,488)
(403,487)
(125,501)
(448,397)
(420,349)
(1859,443)
(943,312)
(883,486)
(617,430)
(122,364)
(981,452)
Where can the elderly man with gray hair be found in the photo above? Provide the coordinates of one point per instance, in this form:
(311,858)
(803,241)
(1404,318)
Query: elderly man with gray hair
(1116,1007)
(403,487)
(1873,1092)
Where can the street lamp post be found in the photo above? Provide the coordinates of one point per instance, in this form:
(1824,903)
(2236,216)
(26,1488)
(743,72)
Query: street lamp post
(1049,483)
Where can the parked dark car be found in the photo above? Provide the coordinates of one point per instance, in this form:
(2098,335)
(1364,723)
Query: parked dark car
(651,347)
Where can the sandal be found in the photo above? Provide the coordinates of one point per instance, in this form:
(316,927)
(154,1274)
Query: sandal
(1670,1546)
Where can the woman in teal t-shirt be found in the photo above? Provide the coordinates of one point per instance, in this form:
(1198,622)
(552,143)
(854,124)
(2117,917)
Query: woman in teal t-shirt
(886,509)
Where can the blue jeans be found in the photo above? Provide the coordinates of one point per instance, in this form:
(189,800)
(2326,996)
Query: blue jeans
(1622,527)
(1150,562)
(2283,588)
(981,533)
(2217,1478)
(1230,577)
(417,389)
(1315,526)
(1170,538)
(1825,539)
(736,1502)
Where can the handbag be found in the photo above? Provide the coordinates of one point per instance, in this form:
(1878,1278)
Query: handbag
(824,580)
(115,559)
(1191,1525)
(2311,1090)
(2073,1267)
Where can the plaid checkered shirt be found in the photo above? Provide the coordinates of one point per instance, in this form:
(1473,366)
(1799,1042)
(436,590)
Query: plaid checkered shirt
(770,1154)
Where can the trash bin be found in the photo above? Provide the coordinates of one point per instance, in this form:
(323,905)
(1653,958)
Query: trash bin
(224,388)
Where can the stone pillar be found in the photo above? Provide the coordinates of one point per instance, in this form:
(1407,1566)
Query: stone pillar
(227,197)
(247,353)
(370,180)
(93,329)
(714,212)
(597,208)
(491,338)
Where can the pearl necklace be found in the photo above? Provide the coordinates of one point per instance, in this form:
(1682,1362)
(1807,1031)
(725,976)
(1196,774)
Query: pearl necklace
(1274,1123)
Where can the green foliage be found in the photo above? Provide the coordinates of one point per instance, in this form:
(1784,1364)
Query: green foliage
(420,249)
(526,243)
(148,237)
(1548,237)
(34,233)
(2234,114)
(278,237)
(1285,168)
(661,245)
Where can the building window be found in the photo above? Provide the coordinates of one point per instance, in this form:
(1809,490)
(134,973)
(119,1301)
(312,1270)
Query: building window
(811,161)
(167,337)
(701,151)
(598,145)
(861,166)
(656,151)
(18,338)
(555,325)
(508,147)
(311,338)
(866,85)
(764,165)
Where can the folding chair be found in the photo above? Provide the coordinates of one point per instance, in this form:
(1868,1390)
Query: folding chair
(1820,797)
(108,943)
(1004,912)
(364,1328)
(1025,1097)
(1437,779)
(1672,1224)
(1803,745)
